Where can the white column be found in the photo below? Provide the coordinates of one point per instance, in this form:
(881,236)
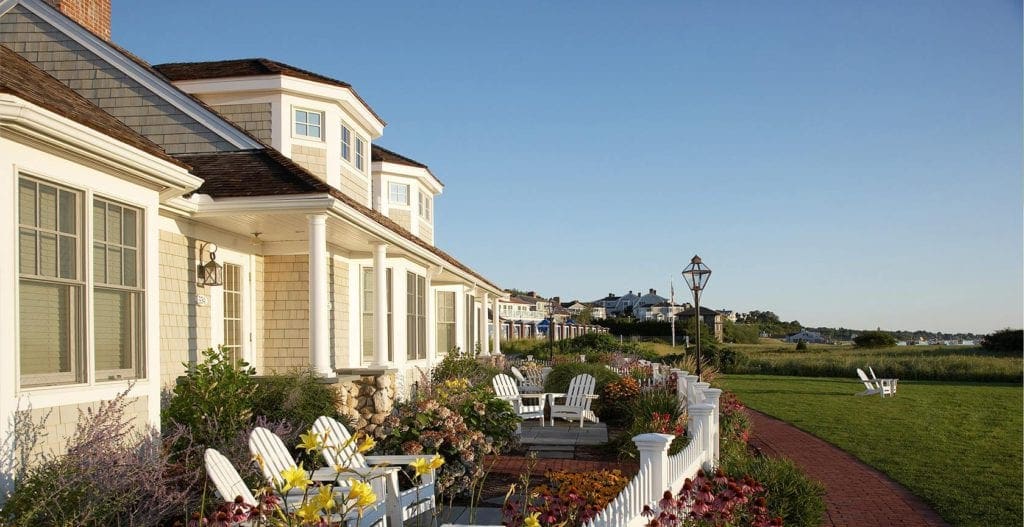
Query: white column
(700,418)
(711,396)
(498,328)
(380,305)
(319,344)
(485,341)
(654,452)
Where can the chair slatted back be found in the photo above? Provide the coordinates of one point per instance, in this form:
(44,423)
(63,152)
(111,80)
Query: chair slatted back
(342,450)
(225,478)
(272,452)
(873,376)
(580,387)
(518,375)
(864,377)
(505,387)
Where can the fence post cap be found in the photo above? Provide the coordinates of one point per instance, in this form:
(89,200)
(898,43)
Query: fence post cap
(653,441)
(712,393)
(700,409)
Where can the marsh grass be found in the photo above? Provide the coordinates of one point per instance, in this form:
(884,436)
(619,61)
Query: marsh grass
(957,445)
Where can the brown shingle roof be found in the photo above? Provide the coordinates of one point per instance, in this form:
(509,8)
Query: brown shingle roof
(268,172)
(218,69)
(21,78)
(379,153)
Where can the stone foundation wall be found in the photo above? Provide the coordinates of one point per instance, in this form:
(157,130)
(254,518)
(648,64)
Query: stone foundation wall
(368,400)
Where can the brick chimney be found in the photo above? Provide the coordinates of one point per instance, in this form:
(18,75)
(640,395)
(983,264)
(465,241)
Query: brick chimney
(93,14)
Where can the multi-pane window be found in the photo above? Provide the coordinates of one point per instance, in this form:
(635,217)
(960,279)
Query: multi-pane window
(308,123)
(51,285)
(52,251)
(425,205)
(233,311)
(416,316)
(116,262)
(398,193)
(346,143)
(360,153)
(445,321)
(367,314)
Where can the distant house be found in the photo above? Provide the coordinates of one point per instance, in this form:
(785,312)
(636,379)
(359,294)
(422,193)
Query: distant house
(711,318)
(810,337)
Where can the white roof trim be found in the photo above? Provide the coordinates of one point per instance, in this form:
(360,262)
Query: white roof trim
(73,137)
(141,75)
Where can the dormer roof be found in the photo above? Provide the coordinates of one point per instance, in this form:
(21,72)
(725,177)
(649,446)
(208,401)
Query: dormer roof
(379,154)
(254,67)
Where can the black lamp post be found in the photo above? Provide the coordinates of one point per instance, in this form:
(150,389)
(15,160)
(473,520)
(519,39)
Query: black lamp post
(551,331)
(696,275)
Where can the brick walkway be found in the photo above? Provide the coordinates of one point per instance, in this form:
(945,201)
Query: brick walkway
(856,494)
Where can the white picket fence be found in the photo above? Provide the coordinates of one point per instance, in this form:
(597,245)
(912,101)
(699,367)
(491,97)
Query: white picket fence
(659,471)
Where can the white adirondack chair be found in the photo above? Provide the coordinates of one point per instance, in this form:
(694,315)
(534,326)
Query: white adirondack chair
(274,458)
(225,478)
(882,387)
(888,386)
(506,389)
(531,384)
(576,401)
(401,504)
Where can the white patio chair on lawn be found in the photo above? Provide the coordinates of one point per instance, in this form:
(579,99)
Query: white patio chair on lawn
(274,458)
(506,389)
(531,384)
(891,383)
(401,504)
(576,401)
(882,387)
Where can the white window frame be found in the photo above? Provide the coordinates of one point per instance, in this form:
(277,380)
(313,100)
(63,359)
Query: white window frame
(391,194)
(426,204)
(83,310)
(346,144)
(359,160)
(296,123)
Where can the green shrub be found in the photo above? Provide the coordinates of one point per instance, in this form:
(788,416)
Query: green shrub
(741,333)
(297,398)
(453,367)
(801,345)
(214,400)
(1005,341)
(560,376)
(110,475)
(874,339)
(791,495)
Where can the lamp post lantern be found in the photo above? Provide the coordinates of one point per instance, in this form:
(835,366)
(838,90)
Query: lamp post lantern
(696,275)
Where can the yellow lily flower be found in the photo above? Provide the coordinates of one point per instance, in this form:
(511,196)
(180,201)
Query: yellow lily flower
(366,444)
(421,465)
(308,511)
(325,498)
(295,477)
(436,462)
(531,520)
(361,493)
(310,441)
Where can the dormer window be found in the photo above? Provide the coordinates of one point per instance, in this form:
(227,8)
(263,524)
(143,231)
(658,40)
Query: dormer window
(398,193)
(346,143)
(360,152)
(426,203)
(308,124)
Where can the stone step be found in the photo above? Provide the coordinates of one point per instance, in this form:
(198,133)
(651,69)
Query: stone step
(552,448)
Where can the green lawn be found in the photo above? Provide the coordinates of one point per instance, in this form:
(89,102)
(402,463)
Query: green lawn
(956,445)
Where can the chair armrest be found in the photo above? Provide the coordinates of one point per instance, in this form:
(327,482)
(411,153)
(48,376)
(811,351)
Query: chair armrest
(395,459)
(329,474)
(591,396)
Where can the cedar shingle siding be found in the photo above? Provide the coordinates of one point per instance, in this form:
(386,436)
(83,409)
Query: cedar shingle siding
(253,118)
(104,85)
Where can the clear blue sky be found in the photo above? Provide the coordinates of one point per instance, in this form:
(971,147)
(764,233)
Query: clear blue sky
(848,164)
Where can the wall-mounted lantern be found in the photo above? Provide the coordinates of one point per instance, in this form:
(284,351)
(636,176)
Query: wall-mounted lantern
(211,273)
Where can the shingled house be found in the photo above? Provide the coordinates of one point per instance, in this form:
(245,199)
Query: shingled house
(155,211)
